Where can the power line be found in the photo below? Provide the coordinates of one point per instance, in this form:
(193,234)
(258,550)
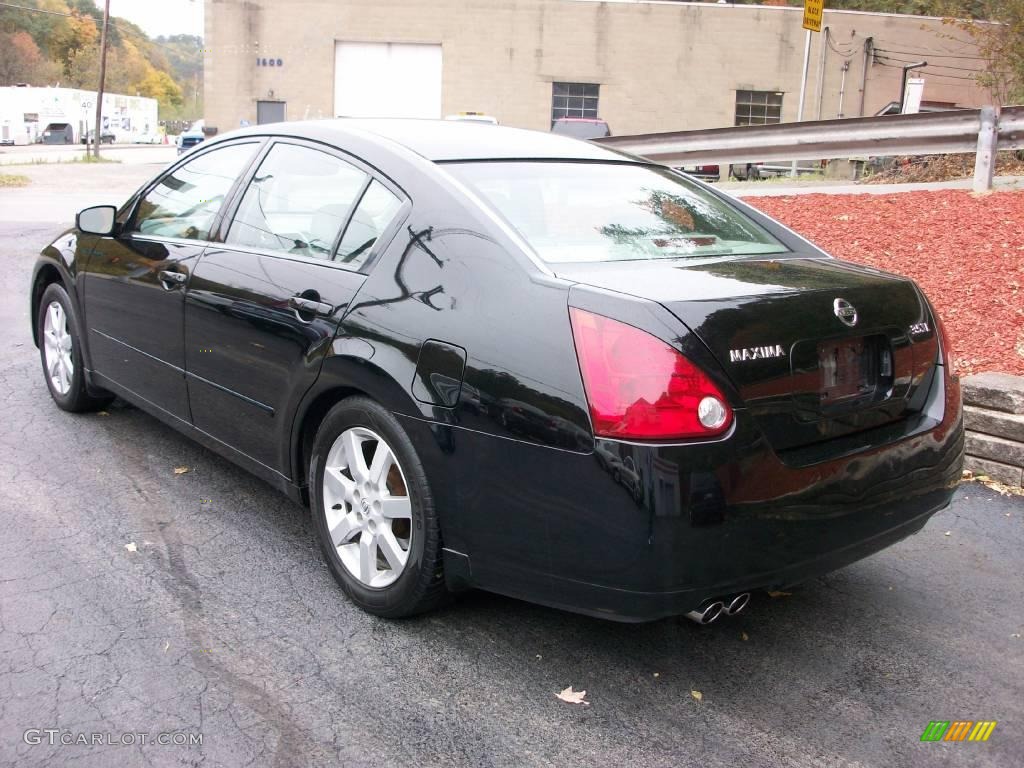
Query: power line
(930,65)
(919,52)
(930,74)
(931,54)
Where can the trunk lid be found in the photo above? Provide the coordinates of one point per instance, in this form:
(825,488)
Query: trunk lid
(774,325)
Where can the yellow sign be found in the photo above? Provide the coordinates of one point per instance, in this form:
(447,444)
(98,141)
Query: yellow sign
(813,10)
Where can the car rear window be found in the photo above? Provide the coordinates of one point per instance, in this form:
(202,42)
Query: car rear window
(585,212)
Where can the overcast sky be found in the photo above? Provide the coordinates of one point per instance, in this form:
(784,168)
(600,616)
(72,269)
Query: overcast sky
(161,17)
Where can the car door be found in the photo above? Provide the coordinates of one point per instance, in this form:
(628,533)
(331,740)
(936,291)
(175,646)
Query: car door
(263,305)
(134,282)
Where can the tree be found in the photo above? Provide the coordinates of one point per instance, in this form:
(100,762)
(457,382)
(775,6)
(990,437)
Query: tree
(21,61)
(159,85)
(1000,41)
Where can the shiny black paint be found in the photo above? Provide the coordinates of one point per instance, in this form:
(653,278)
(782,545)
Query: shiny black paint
(135,316)
(458,332)
(250,354)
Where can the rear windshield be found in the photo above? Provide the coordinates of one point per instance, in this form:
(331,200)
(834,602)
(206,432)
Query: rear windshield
(584,212)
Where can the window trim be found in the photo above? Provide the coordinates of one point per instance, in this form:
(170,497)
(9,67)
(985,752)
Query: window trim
(233,202)
(129,228)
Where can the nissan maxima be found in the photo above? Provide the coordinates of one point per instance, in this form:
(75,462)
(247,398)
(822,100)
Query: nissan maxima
(492,358)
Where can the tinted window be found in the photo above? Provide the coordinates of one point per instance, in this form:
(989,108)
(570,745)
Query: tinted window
(375,211)
(187,200)
(298,202)
(573,212)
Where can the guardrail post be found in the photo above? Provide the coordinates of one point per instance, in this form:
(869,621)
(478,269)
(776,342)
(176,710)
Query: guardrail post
(984,164)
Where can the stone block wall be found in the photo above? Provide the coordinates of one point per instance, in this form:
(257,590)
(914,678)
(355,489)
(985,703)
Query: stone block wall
(994,417)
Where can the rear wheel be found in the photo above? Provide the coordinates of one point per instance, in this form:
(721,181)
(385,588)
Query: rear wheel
(374,513)
(61,354)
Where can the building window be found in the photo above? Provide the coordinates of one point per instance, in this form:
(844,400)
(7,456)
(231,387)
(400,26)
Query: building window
(758,107)
(573,100)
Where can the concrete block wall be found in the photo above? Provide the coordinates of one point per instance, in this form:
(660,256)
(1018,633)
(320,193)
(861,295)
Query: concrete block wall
(994,417)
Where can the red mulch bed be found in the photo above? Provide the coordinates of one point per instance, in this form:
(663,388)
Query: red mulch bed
(965,251)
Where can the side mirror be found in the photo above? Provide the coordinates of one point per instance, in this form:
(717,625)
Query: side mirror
(98,220)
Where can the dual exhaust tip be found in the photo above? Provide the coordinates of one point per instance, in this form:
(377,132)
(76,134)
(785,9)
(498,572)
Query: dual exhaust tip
(715,609)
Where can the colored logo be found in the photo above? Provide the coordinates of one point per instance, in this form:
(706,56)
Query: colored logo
(958,730)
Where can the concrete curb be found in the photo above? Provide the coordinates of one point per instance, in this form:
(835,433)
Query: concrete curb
(994,417)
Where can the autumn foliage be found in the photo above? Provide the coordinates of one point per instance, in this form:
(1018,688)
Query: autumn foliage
(62,47)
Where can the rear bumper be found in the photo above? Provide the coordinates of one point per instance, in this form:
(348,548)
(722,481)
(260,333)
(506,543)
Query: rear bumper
(635,532)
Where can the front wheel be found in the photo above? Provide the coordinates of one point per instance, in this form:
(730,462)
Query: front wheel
(61,353)
(373,511)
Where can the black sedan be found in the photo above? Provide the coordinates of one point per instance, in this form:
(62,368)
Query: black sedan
(487,357)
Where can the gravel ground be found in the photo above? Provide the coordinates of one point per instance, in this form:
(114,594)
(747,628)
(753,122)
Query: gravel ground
(966,251)
(224,622)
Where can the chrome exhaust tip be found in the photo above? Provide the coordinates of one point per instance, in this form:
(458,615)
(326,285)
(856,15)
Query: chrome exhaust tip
(737,604)
(707,613)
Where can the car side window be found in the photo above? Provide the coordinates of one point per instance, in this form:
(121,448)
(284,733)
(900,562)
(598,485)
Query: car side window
(374,213)
(186,201)
(297,202)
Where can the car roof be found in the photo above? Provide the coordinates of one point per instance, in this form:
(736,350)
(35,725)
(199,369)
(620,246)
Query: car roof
(444,140)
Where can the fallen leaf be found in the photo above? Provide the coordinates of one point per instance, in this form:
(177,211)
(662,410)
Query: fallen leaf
(697,695)
(571,696)
(1015,635)
(539,656)
(130,546)
(657,674)
(779,594)
(948,533)
(180,470)
(743,636)
(166,646)
(102,413)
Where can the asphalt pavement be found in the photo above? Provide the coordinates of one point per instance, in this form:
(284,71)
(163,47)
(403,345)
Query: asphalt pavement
(137,601)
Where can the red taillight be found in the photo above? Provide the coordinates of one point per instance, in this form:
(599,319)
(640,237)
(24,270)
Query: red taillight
(639,387)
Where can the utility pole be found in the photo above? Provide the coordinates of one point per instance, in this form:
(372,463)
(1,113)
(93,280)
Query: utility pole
(103,76)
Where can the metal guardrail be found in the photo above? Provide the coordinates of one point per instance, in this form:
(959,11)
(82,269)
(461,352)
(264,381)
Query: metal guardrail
(928,133)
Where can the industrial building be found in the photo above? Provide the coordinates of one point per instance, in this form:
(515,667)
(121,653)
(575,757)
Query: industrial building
(642,65)
(65,115)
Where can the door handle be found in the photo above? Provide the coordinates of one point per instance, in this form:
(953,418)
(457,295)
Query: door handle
(310,306)
(171,279)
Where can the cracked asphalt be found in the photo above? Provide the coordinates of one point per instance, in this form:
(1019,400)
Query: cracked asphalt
(225,623)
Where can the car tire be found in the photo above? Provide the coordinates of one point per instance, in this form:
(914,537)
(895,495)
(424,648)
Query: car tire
(358,540)
(60,351)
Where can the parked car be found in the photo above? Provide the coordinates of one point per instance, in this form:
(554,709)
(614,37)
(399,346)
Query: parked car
(766,170)
(705,172)
(148,138)
(581,127)
(495,358)
(8,142)
(106,137)
(188,140)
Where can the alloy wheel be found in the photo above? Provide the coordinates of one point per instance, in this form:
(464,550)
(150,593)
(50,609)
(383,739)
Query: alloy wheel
(57,344)
(367,506)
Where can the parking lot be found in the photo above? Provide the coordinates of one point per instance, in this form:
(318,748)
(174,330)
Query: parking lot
(134,599)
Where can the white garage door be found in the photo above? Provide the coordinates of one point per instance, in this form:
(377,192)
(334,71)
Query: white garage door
(387,80)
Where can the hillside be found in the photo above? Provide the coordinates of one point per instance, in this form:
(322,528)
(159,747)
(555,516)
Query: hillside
(46,42)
